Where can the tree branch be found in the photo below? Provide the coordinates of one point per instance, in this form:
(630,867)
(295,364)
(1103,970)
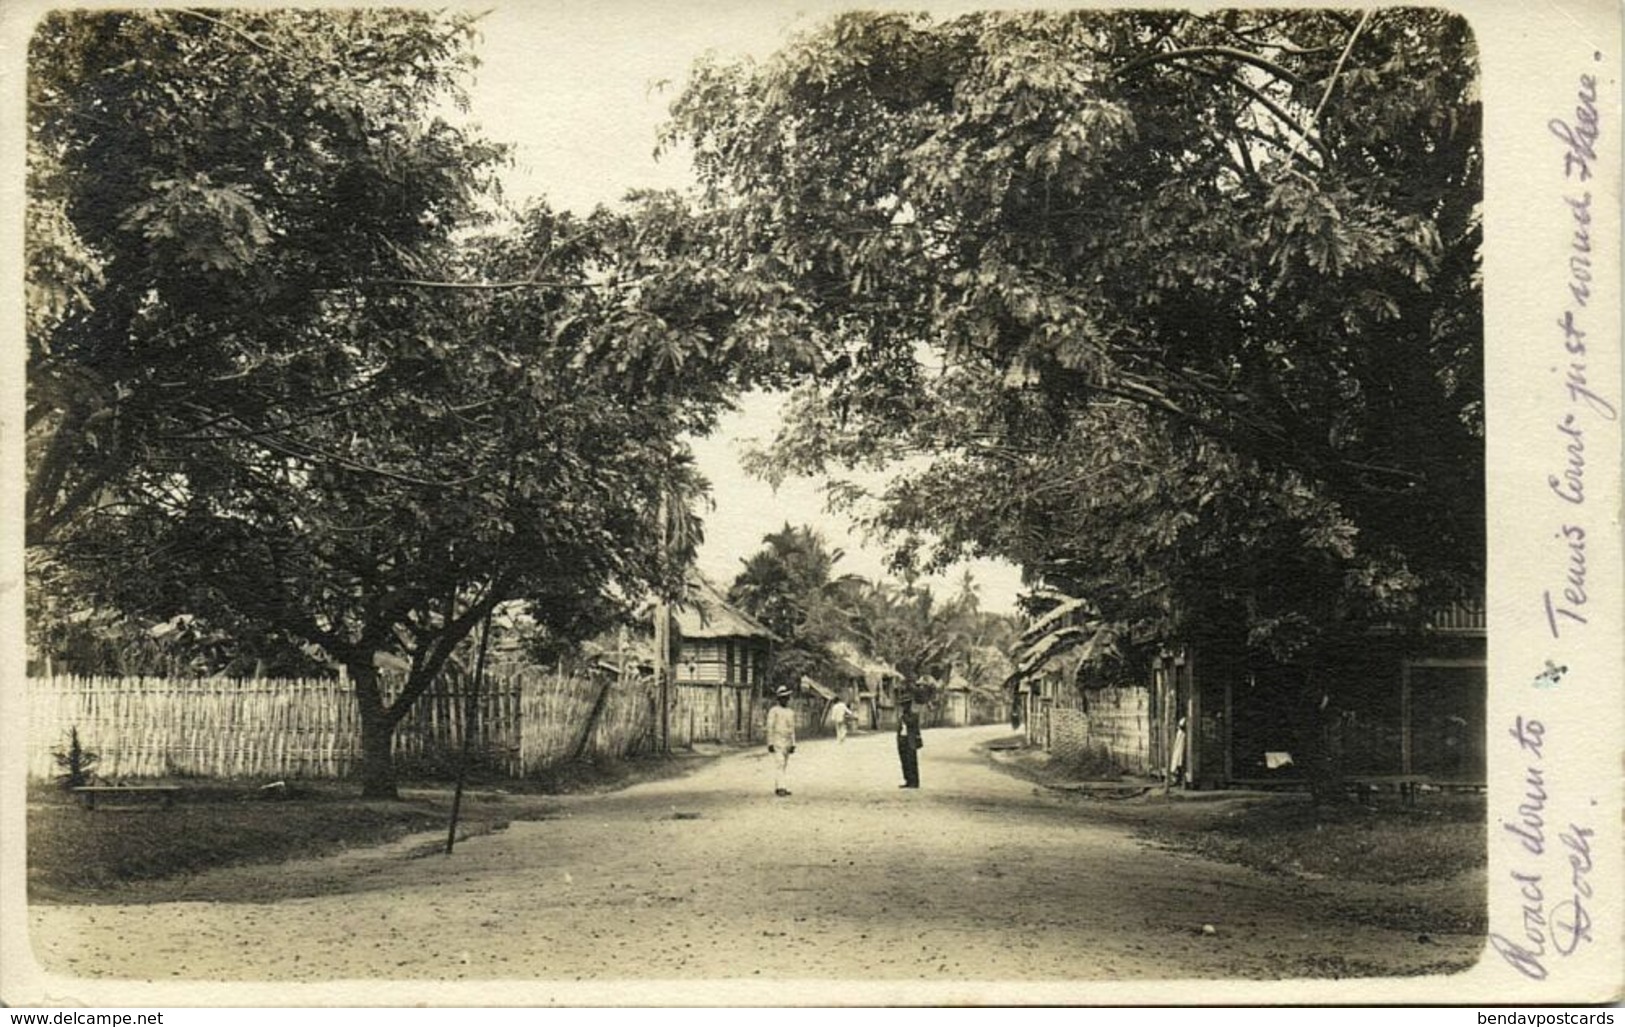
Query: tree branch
(1365,18)
(307,452)
(1245,56)
(1284,47)
(518,283)
(427,668)
(244,36)
(1275,109)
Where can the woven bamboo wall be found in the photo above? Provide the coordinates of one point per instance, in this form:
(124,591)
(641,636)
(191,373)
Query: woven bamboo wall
(526,721)
(1115,723)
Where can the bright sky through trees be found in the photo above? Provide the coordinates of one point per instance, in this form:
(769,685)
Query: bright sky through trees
(579,90)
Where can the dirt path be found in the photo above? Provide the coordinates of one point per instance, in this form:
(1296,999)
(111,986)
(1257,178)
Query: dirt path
(976,876)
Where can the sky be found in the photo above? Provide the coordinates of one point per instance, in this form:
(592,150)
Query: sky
(579,90)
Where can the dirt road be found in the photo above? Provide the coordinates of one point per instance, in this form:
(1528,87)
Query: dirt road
(978,875)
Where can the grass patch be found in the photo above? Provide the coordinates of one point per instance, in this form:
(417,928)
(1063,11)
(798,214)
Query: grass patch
(124,849)
(73,851)
(1416,869)
(1088,765)
(1440,837)
(1388,843)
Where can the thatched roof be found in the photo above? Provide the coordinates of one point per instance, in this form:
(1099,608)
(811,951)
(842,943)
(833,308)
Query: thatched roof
(706,614)
(872,670)
(811,687)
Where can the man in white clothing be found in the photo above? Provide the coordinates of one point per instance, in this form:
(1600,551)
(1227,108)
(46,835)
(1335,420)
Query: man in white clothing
(781,739)
(841,714)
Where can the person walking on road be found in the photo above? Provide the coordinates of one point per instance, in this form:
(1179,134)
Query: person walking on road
(841,714)
(909,742)
(781,739)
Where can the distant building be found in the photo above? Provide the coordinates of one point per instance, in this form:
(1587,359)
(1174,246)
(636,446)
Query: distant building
(872,686)
(1214,715)
(718,643)
(961,703)
(720,658)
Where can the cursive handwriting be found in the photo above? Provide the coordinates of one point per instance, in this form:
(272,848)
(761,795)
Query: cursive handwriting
(1579,264)
(1573,594)
(1545,906)
(1565,603)
(1579,139)
(1571,487)
(1526,953)
(1571,923)
(1530,826)
(1574,336)
(1553,919)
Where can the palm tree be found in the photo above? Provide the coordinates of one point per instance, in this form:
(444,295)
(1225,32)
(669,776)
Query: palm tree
(790,585)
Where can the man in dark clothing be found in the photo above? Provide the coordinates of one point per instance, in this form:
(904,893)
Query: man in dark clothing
(909,742)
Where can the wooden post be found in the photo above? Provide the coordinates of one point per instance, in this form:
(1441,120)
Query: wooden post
(663,650)
(592,722)
(662,678)
(470,711)
(1193,722)
(1168,689)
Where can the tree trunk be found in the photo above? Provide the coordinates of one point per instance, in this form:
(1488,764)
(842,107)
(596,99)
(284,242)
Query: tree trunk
(377,734)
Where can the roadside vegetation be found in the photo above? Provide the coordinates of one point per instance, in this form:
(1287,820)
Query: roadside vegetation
(76,854)
(1385,842)
(141,852)
(1284,833)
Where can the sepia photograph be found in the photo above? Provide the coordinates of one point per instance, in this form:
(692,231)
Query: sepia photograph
(809,505)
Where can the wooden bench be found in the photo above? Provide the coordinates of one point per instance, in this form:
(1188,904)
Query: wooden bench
(88,794)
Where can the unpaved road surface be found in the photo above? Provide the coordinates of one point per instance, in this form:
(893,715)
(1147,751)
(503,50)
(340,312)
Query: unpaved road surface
(977,876)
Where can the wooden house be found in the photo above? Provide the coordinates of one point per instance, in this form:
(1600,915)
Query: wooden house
(1399,706)
(1209,715)
(1064,709)
(720,658)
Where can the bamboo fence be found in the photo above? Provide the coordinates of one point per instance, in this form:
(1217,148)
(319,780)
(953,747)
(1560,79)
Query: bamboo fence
(526,720)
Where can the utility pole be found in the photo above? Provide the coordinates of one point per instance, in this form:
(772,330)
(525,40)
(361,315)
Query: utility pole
(663,644)
(471,707)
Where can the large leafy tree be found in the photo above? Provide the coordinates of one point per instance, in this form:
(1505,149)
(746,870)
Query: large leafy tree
(790,585)
(512,470)
(1183,308)
(276,386)
(200,185)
